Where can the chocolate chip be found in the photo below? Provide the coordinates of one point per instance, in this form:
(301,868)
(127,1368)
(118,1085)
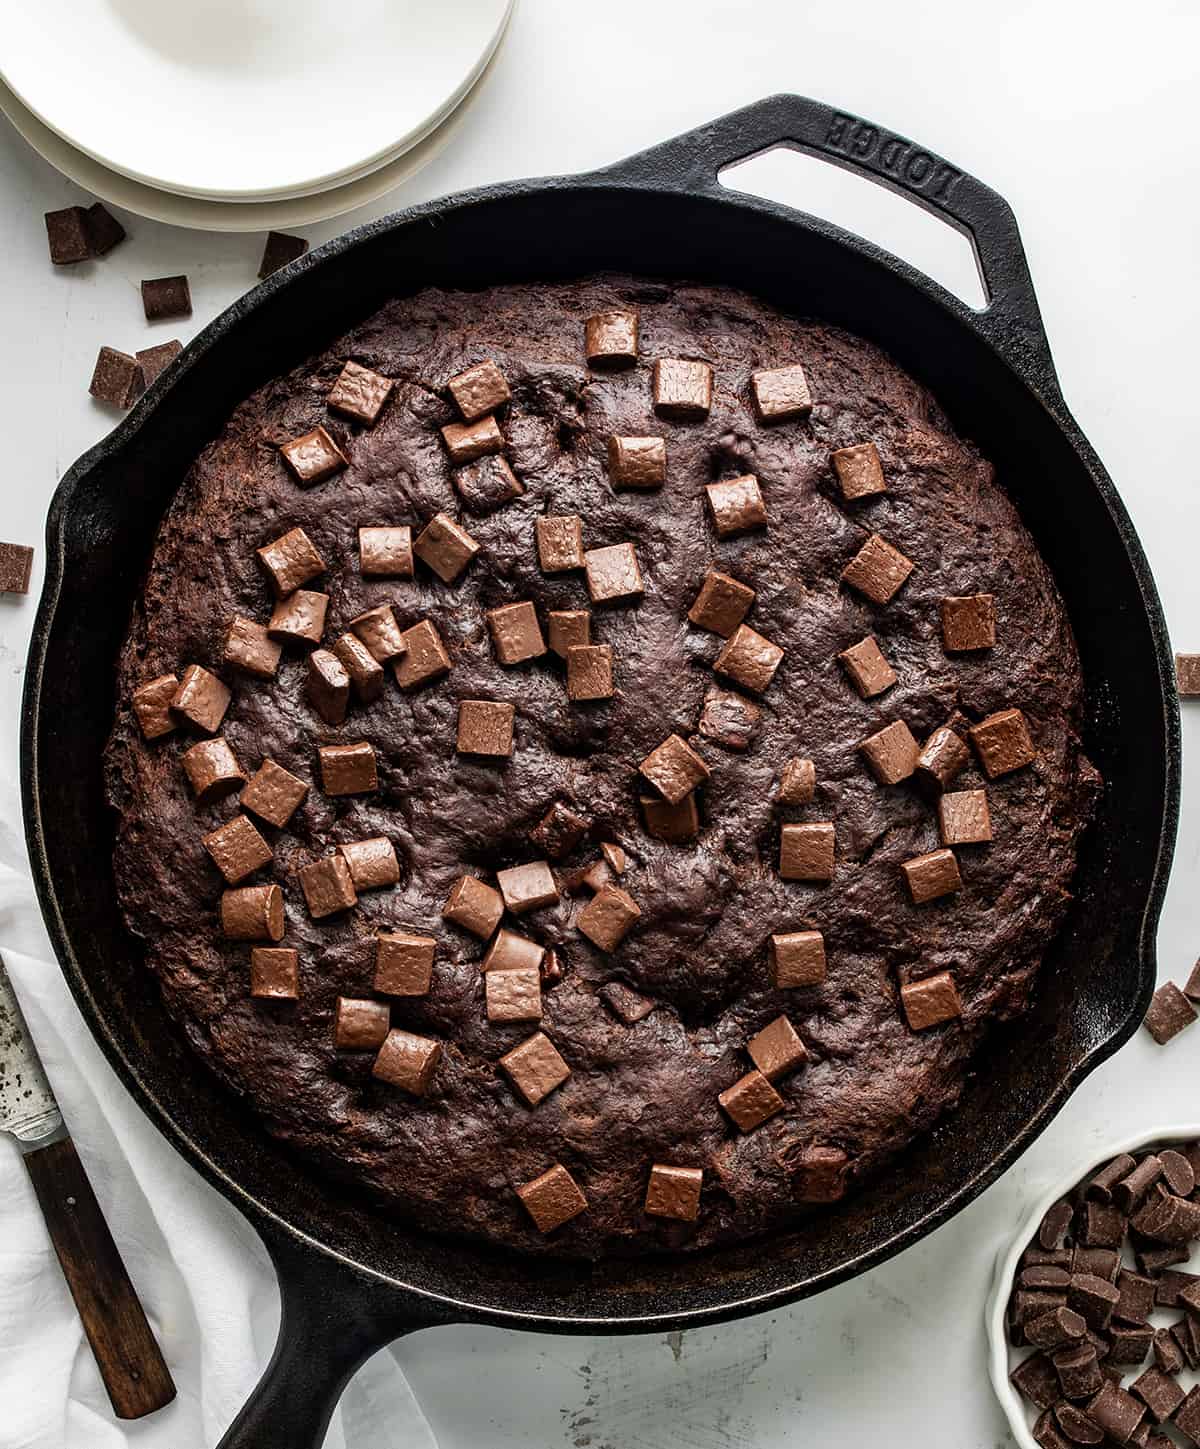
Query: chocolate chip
(1047,1433)
(485,727)
(360,1025)
(674,1192)
(777,1050)
(252,913)
(404,963)
(1003,743)
(797,782)
(749,659)
(360,393)
(274,794)
(117,378)
(516,633)
(682,389)
(637,462)
(445,547)
(780,393)
(1191,987)
(930,1001)
(1170,1219)
(362,669)
(67,236)
(859,471)
(291,560)
(201,699)
(559,831)
(535,1068)
(527,887)
(589,672)
(963,818)
(513,994)
(736,505)
(608,917)
(806,852)
(943,757)
(968,623)
(279,251)
(275,973)
(511,952)
(674,769)
(479,391)
(407,1061)
(425,656)
(300,618)
(869,671)
(1168,1014)
(313,457)
(721,604)
(154,361)
(568,629)
(877,570)
(613,573)
(474,905)
(891,753)
(348,769)
(328,686)
(166,297)
(560,542)
(796,958)
(674,824)
(1187,675)
(237,849)
(610,340)
(728,718)
(467,441)
(152,706)
(373,864)
(751,1101)
(1152,1260)
(552,1199)
(328,886)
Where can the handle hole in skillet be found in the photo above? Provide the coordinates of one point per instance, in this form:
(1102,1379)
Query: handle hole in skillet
(862,206)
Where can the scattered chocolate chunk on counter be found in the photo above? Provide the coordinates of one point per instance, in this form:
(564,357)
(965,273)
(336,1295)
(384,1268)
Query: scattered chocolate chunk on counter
(67,235)
(1170,1012)
(116,379)
(16,565)
(1187,675)
(154,361)
(166,297)
(280,249)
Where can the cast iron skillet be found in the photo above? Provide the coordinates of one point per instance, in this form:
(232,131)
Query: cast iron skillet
(351,1277)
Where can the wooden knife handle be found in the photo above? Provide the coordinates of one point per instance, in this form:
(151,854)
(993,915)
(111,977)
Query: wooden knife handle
(130,1362)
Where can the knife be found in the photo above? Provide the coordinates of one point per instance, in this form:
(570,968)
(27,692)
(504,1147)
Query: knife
(130,1362)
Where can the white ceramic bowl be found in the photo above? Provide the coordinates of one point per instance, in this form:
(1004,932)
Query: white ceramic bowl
(1001,1358)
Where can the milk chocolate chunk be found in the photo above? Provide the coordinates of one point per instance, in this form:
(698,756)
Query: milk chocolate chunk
(780,393)
(721,604)
(248,646)
(360,1025)
(1078,1371)
(237,849)
(154,361)
(797,782)
(313,457)
(1036,1380)
(446,547)
(673,823)
(360,393)
(1170,1011)
(328,886)
(201,699)
(613,573)
(589,672)
(736,505)
(608,917)
(280,249)
(485,727)
(424,658)
(479,390)
(474,905)
(682,389)
(751,1101)
(1053,1227)
(348,769)
(372,862)
(674,1192)
(1159,1392)
(1102,1225)
(806,851)
(386,552)
(511,952)
(891,753)
(116,378)
(16,564)
(152,706)
(930,1001)
(968,623)
(963,818)
(252,913)
(291,560)
(559,831)
(820,1175)
(728,718)
(1137,1183)
(568,629)
(552,1199)
(610,340)
(67,236)
(300,618)
(1187,675)
(274,794)
(1187,1416)
(166,297)
(615,857)
(513,994)
(378,630)
(877,570)
(1178,1172)
(943,757)
(487,484)
(869,671)
(749,659)
(1060,1325)
(931,876)
(467,441)
(404,963)
(1076,1425)
(275,973)
(777,1050)
(516,633)
(328,686)
(637,462)
(1002,742)
(859,471)
(407,1061)
(674,769)
(527,887)
(535,1068)
(1094,1298)
(560,542)
(362,669)
(796,958)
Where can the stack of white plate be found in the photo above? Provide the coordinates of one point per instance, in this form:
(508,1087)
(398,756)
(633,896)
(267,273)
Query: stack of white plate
(244,115)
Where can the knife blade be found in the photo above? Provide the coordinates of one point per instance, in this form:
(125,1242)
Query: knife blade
(27,1106)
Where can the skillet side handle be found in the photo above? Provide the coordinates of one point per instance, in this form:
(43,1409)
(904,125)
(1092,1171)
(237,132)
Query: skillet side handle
(693,163)
(332,1320)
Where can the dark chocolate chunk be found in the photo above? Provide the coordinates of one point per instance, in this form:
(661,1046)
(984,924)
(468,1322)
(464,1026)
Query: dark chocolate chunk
(166,297)
(748,659)
(485,727)
(407,1061)
(750,1101)
(1060,1325)
(446,547)
(568,629)
(513,995)
(1047,1433)
(559,831)
(155,360)
(467,441)
(425,656)
(291,560)
(510,952)
(559,542)
(404,963)
(378,630)
(859,471)
(877,570)
(1187,1416)
(516,633)
(1178,1172)
(1003,742)
(627,1005)
(373,864)
(1101,1184)
(672,823)
(275,973)
(535,1068)
(385,553)
(237,849)
(797,782)
(328,886)
(279,251)
(1116,1412)
(363,669)
(479,391)
(869,671)
(964,818)
(820,1175)
(736,505)
(1076,1425)
(721,604)
(968,623)
(16,564)
(474,905)
(674,1192)
(313,457)
(613,573)
(1102,1225)
(527,887)
(1170,1284)
(1095,1298)
(1159,1392)
(1035,1378)
(328,686)
(590,673)
(1167,1355)
(117,379)
(1170,1011)
(274,794)
(728,718)
(1054,1225)
(777,1050)
(360,1025)
(891,753)
(637,462)
(1187,675)
(103,229)
(1078,1371)
(152,706)
(806,852)
(943,756)
(67,235)
(201,699)
(252,913)
(674,769)
(608,917)
(1137,1298)
(1134,1186)
(300,618)
(1129,1345)
(1153,1259)
(1103,1262)
(348,769)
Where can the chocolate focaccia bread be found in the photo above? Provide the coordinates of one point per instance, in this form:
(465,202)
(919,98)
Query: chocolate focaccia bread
(592,760)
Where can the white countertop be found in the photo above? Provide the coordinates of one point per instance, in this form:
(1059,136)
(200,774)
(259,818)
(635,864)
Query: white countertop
(1083,118)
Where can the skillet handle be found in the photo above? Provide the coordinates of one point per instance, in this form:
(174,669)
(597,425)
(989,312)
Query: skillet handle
(693,162)
(332,1320)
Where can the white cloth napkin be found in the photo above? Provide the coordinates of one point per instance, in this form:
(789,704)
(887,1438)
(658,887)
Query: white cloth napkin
(203,1277)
